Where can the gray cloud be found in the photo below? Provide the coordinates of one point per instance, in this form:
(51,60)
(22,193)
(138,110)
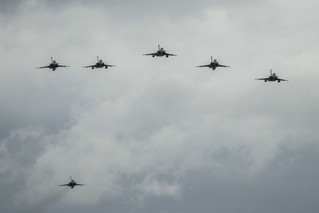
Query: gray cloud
(159,134)
(126,8)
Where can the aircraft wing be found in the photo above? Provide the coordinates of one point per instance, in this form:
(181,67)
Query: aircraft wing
(43,67)
(63,66)
(262,79)
(64,185)
(168,54)
(152,54)
(80,184)
(282,79)
(89,66)
(220,65)
(208,65)
(109,65)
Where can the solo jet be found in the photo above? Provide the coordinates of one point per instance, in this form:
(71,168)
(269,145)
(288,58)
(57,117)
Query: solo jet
(72,183)
(99,64)
(213,64)
(272,77)
(53,65)
(160,52)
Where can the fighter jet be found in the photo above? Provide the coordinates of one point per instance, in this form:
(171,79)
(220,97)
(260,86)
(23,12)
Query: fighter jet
(99,64)
(160,52)
(72,183)
(272,77)
(213,64)
(53,65)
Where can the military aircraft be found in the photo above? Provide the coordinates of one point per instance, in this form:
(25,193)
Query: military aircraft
(272,77)
(72,183)
(99,64)
(213,64)
(160,52)
(53,65)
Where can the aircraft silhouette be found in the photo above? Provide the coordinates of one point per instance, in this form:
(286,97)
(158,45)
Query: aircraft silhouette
(213,64)
(99,64)
(160,52)
(272,77)
(72,183)
(53,65)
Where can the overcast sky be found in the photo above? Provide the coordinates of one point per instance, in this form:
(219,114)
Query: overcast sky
(159,134)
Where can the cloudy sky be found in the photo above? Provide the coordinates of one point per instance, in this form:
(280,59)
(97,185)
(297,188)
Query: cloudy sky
(158,134)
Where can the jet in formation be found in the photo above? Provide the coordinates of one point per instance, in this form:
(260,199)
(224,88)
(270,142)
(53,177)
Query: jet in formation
(213,64)
(160,52)
(72,183)
(99,64)
(272,77)
(53,65)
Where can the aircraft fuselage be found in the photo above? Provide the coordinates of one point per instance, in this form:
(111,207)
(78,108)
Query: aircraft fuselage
(72,184)
(161,53)
(53,66)
(273,77)
(213,65)
(99,65)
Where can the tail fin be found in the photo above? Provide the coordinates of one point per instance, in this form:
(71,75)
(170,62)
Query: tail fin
(97,58)
(51,59)
(159,47)
(270,72)
(211,58)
